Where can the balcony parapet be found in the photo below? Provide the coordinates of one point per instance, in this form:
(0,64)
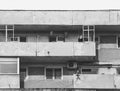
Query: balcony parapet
(99,81)
(47,49)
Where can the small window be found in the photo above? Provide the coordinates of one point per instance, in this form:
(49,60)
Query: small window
(56,38)
(108,39)
(22,39)
(61,38)
(86,70)
(53,73)
(52,38)
(15,39)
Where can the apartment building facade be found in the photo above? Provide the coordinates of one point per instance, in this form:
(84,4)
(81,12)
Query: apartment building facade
(59,49)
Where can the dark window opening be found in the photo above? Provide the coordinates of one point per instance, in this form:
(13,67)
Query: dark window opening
(53,73)
(15,39)
(52,38)
(86,70)
(22,39)
(61,38)
(36,71)
(108,39)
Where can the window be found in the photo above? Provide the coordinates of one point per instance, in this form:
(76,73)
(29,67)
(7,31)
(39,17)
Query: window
(53,73)
(55,38)
(8,67)
(108,39)
(36,71)
(52,39)
(88,32)
(86,71)
(22,39)
(15,39)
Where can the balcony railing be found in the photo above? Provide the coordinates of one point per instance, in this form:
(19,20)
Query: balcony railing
(47,49)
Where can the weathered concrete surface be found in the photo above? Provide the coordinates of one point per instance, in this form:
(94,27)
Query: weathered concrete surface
(106,17)
(109,55)
(47,49)
(9,81)
(94,81)
(48,83)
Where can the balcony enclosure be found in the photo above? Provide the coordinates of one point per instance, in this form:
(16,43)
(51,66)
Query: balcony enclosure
(47,40)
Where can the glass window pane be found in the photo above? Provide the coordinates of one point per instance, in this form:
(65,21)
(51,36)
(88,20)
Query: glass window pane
(8,67)
(2,27)
(49,73)
(10,26)
(57,73)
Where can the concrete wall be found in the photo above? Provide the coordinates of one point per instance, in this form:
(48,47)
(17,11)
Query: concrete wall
(94,81)
(9,81)
(109,55)
(47,49)
(60,17)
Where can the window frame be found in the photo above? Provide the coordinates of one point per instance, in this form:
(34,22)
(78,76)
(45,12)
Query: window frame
(57,37)
(18,39)
(53,78)
(17,63)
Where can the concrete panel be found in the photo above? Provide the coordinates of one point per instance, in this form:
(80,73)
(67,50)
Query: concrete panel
(95,17)
(84,49)
(109,55)
(48,84)
(16,17)
(17,49)
(113,17)
(55,49)
(118,17)
(94,81)
(9,81)
(53,17)
(60,17)
(47,49)
(117,81)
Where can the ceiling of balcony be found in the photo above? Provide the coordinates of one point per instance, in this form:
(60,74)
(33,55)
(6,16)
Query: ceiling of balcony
(67,28)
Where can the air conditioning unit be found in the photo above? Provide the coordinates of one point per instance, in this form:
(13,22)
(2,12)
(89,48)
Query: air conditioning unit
(72,65)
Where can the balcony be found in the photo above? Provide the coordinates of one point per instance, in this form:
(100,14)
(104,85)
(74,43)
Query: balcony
(88,81)
(97,81)
(47,49)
